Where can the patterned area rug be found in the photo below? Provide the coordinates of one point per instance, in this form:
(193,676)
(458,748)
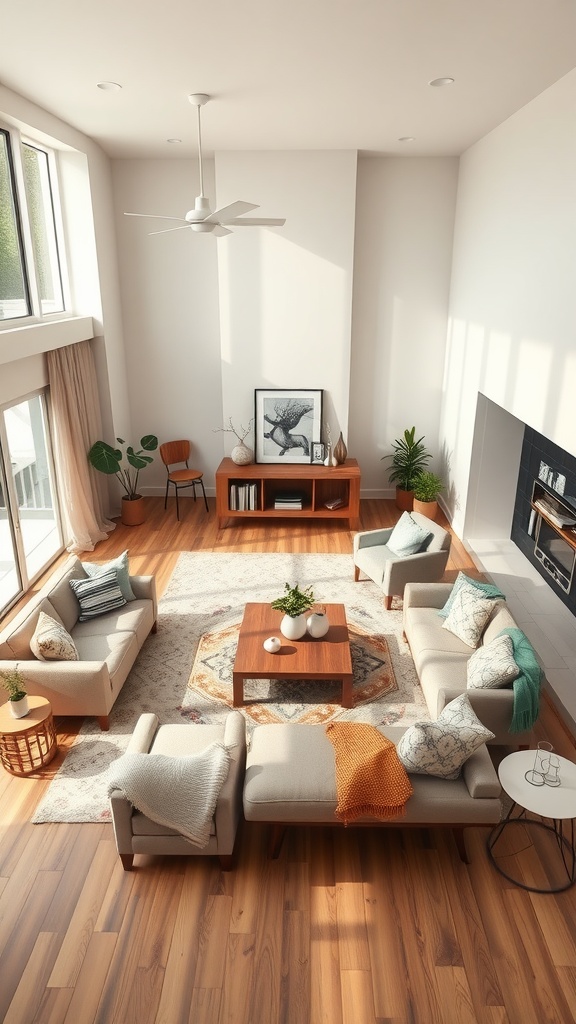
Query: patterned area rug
(184,671)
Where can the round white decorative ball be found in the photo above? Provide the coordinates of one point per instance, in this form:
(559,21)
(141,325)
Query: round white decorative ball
(272,644)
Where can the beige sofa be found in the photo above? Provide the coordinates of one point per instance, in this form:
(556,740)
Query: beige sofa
(107,645)
(441,660)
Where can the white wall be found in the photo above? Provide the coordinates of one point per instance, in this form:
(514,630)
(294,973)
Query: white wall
(404,225)
(512,328)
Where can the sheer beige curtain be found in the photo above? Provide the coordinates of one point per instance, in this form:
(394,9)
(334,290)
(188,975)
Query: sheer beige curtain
(77,424)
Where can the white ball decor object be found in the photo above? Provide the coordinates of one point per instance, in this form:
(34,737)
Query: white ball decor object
(272,644)
(317,625)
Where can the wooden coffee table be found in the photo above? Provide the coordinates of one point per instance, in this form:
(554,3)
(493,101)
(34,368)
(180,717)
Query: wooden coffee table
(326,658)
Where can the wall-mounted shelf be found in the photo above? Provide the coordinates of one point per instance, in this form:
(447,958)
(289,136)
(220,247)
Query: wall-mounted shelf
(288,491)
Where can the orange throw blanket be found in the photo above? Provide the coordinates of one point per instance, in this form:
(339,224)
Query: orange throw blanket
(370,778)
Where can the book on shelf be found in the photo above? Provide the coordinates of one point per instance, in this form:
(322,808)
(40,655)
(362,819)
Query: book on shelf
(243,497)
(288,501)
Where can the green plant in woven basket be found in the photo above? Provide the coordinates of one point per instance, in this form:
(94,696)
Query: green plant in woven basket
(295,601)
(13,681)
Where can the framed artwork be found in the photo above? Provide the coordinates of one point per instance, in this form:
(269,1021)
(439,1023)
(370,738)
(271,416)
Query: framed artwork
(317,453)
(286,421)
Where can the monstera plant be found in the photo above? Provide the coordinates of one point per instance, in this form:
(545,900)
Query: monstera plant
(125,464)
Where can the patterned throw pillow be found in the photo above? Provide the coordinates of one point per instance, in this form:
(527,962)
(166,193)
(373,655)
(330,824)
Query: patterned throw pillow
(469,614)
(493,666)
(98,596)
(51,641)
(122,571)
(487,589)
(440,748)
(407,537)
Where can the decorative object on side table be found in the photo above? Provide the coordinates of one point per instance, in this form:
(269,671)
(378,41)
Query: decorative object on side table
(546,768)
(427,487)
(13,682)
(272,644)
(286,423)
(317,453)
(340,452)
(295,603)
(241,454)
(317,624)
(108,460)
(409,459)
(29,743)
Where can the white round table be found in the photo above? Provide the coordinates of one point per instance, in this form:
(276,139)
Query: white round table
(556,803)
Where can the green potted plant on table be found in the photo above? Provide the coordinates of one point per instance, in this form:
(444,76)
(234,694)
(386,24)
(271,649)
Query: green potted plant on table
(409,458)
(426,490)
(13,681)
(294,603)
(109,460)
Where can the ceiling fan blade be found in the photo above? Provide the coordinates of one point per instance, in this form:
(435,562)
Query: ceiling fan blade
(157,216)
(163,231)
(219,229)
(228,212)
(254,221)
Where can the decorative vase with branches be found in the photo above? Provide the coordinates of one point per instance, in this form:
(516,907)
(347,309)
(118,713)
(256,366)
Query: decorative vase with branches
(241,454)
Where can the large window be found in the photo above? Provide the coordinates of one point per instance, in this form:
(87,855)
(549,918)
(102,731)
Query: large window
(31,283)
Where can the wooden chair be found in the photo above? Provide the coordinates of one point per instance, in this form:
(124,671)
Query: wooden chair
(174,453)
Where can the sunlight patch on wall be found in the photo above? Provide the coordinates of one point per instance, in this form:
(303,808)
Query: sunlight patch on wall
(496,374)
(532,390)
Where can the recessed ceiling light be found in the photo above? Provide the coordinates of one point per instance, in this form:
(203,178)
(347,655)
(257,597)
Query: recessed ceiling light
(406,138)
(173,142)
(109,86)
(438,82)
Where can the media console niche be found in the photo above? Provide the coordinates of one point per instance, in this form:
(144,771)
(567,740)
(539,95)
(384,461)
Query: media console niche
(544,521)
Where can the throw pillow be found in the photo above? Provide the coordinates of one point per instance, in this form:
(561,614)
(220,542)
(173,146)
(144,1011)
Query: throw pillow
(488,589)
(407,537)
(51,641)
(468,616)
(122,571)
(99,595)
(440,748)
(493,665)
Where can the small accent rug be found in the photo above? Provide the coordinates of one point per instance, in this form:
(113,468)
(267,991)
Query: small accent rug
(184,671)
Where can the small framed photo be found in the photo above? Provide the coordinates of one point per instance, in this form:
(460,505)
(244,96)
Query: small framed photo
(317,453)
(286,421)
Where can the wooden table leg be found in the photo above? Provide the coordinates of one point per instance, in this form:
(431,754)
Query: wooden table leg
(237,689)
(347,698)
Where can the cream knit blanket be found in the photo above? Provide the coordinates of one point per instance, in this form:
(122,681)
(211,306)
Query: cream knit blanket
(178,792)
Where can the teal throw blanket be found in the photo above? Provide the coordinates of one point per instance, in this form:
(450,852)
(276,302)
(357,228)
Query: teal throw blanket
(527,684)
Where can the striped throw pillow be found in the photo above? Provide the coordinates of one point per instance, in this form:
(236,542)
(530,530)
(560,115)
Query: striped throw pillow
(99,595)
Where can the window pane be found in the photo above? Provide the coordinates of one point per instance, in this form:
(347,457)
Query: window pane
(43,228)
(14,300)
(10,583)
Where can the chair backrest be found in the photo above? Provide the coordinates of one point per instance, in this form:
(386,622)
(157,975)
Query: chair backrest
(441,539)
(174,451)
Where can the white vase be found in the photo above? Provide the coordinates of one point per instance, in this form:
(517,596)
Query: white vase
(242,455)
(328,459)
(293,627)
(272,644)
(318,625)
(19,708)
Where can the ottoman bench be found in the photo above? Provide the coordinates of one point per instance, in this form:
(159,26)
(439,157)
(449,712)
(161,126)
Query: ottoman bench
(291,780)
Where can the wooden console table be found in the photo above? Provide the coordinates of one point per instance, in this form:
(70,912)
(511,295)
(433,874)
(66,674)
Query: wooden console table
(258,487)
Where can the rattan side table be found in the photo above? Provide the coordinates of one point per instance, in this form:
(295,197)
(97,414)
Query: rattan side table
(27,744)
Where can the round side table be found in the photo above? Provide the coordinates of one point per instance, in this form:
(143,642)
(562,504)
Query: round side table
(555,803)
(27,744)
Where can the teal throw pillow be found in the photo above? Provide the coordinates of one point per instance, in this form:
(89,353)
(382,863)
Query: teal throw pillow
(407,537)
(98,596)
(120,564)
(487,589)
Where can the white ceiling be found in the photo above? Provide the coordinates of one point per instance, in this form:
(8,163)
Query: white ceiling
(309,74)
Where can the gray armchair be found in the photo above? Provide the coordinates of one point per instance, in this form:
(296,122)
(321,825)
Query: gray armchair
(136,833)
(375,560)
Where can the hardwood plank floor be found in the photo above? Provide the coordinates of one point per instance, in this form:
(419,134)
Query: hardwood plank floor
(346,927)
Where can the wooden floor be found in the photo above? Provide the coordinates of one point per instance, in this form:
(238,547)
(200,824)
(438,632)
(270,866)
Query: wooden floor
(346,927)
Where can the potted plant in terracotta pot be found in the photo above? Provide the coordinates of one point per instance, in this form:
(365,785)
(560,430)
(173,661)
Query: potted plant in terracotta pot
(294,603)
(426,490)
(13,681)
(409,458)
(109,460)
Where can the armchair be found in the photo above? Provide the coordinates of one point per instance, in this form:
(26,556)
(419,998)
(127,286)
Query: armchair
(378,562)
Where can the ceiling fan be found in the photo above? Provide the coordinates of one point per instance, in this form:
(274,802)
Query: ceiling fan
(201,218)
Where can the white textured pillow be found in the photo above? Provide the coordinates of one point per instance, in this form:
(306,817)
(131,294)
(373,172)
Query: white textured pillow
(493,665)
(440,748)
(468,615)
(407,537)
(92,569)
(51,641)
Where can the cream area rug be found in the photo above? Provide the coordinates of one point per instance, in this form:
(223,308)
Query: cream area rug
(184,671)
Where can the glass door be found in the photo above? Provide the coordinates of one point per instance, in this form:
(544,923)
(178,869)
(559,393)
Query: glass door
(30,533)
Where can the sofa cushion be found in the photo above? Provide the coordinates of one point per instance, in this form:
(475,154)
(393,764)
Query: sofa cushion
(51,641)
(99,595)
(440,748)
(487,589)
(135,617)
(17,643)
(468,615)
(120,564)
(492,665)
(62,597)
(118,650)
(500,619)
(408,537)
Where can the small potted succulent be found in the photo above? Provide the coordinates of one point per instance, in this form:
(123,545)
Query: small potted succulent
(426,490)
(108,460)
(294,603)
(13,681)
